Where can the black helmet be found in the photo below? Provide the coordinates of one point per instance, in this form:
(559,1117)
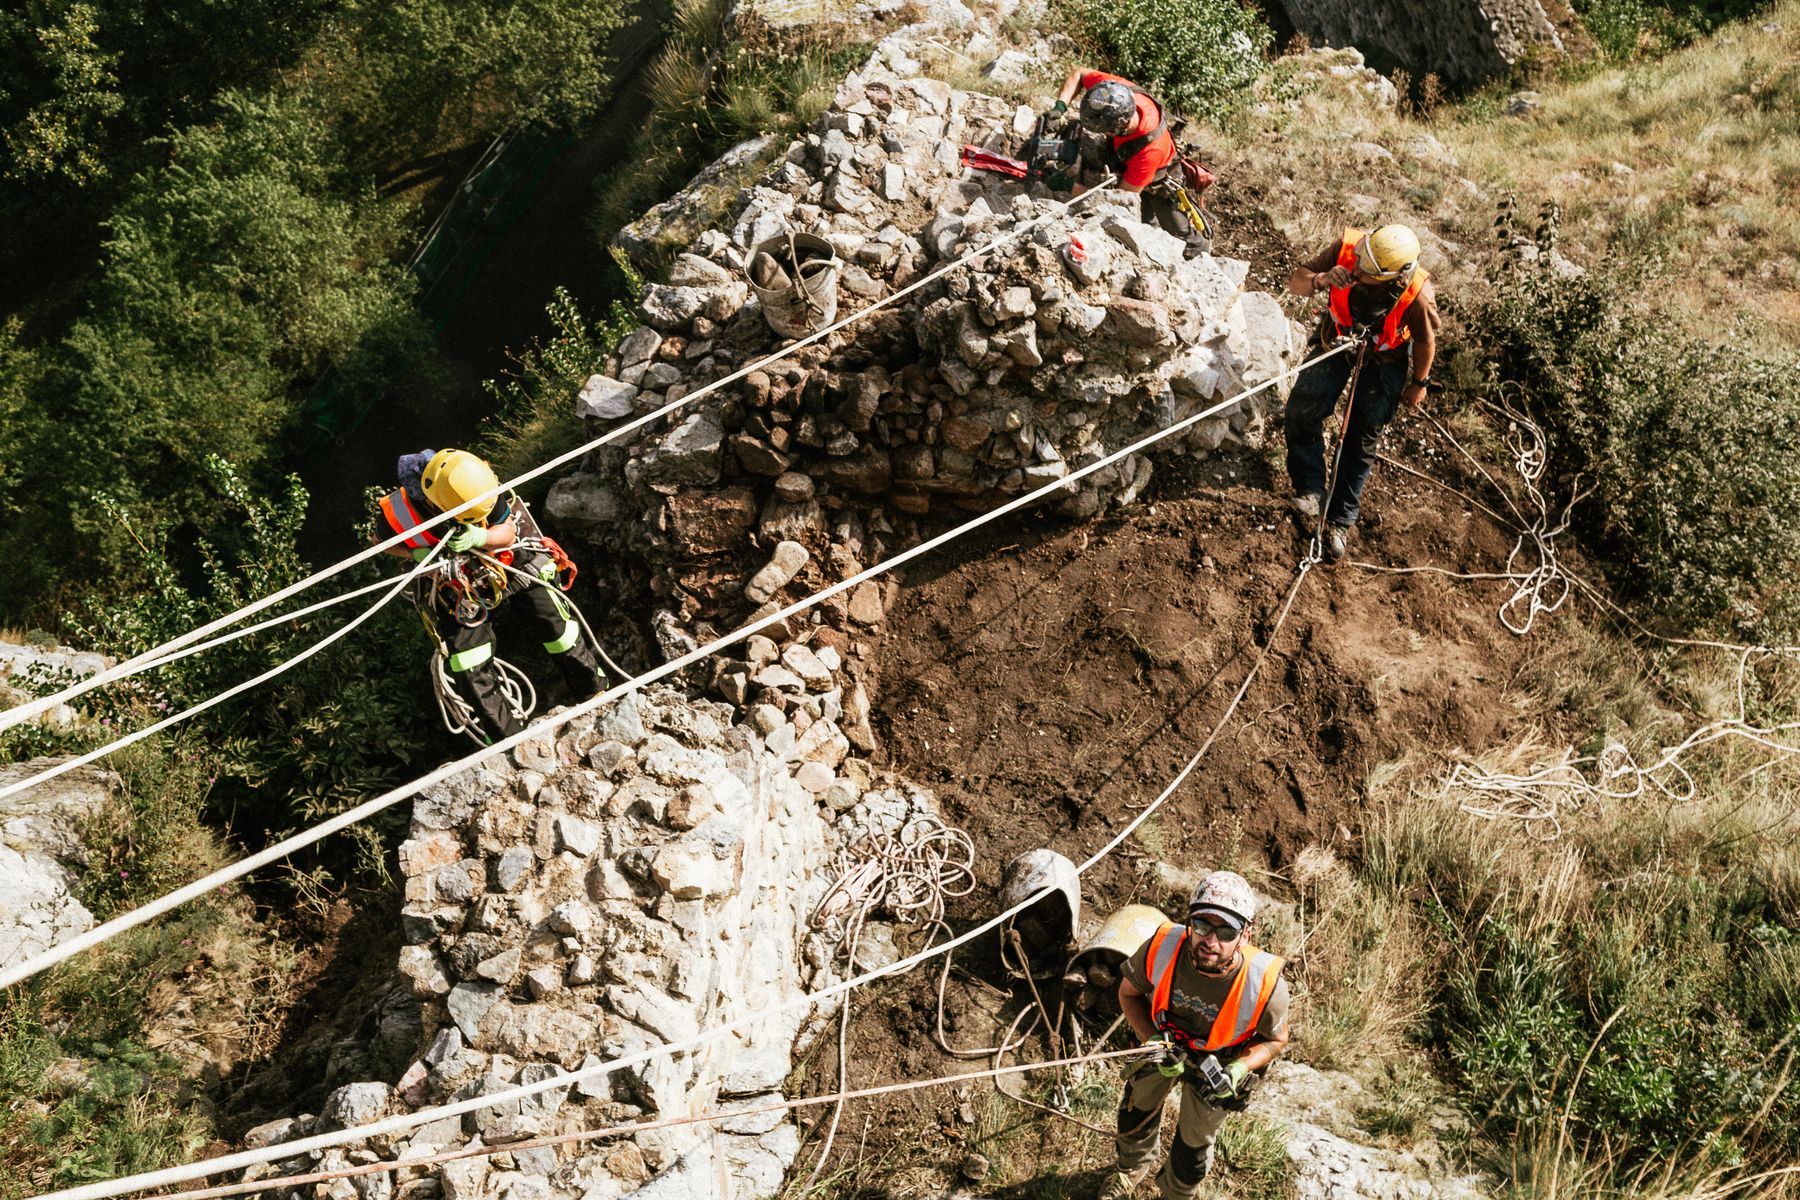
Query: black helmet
(1109,108)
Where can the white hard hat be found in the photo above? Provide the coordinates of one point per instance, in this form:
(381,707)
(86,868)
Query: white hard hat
(1224,896)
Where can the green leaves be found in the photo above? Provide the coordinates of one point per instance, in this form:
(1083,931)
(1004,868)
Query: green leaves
(1694,446)
(1200,57)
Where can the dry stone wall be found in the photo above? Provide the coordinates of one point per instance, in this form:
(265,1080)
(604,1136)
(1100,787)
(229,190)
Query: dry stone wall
(637,877)
(1079,337)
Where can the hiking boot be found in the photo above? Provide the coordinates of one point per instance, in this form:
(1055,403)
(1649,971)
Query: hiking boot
(1118,1186)
(1308,507)
(1337,542)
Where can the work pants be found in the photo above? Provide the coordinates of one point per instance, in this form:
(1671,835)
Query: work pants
(1315,394)
(471,648)
(1139,1142)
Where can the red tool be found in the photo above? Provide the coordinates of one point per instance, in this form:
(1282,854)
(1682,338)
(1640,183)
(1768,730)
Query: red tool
(987,160)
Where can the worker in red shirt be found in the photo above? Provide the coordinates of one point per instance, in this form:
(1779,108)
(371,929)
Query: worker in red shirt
(1128,135)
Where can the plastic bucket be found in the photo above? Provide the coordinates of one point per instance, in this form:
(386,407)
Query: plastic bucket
(808,305)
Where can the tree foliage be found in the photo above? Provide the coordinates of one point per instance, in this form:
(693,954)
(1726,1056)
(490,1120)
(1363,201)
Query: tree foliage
(1200,57)
(340,726)
(247,254)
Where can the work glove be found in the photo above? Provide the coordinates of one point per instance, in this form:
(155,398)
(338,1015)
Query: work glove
(420,553)
(1059,108)
(1061,181)
(1235,1073)
(1169,1059)
(469,537)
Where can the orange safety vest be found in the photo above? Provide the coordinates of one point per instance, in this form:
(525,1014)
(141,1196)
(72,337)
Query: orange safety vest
(403,518)
(1393,333)
(1244,1004)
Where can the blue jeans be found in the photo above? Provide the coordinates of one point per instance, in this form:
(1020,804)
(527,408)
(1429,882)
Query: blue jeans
(1315,394)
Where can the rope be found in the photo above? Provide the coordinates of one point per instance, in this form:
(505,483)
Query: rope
(1539,798)
(459,715)
(154,656)
(82,760)
(232,1162)
(908,874)
(1315,549)
(636,1127)
(368,808)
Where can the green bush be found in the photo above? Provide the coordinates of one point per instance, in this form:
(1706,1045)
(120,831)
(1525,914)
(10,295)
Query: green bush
(1692,447)
(344,724)
(1627,29)
(536,420)
(1200,57)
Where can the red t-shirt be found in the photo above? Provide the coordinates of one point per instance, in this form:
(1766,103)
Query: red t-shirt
(1144,165)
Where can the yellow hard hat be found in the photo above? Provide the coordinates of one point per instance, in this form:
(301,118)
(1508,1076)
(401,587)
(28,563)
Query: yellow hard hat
(453,476)
(1388,253)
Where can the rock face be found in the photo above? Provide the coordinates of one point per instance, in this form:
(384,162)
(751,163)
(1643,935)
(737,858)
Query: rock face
(636,878)
(1329,1154)
(1464,42)
(41,856)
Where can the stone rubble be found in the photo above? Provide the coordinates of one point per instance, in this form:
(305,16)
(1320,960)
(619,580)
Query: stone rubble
(1086,334)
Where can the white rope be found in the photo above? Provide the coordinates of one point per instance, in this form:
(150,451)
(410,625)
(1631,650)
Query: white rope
(909,874)
(150,658)
(459,715)
(234,1162)
(81,760)
(1538,799)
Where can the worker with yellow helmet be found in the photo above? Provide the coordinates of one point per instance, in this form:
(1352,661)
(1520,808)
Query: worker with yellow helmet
(518,560)
(1377,291)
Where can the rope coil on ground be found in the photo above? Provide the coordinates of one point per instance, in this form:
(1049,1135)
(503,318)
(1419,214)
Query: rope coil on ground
(909,874)
(1539,798)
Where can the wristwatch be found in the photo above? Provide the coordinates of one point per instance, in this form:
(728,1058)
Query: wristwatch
(1425,382)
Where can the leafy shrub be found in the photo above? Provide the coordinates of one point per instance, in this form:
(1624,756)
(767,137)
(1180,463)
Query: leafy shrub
(1693,447)
(338,727)
(537,420)
(1626,29)
(1200,57)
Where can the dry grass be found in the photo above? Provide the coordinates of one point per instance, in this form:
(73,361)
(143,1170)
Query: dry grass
(1696,157)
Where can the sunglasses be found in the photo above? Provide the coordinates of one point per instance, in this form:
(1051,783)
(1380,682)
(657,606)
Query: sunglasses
(1224,935)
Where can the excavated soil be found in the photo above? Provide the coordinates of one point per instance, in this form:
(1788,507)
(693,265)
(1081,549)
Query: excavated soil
(1048,679)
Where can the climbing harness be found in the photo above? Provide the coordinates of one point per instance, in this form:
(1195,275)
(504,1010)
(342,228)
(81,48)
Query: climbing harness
(469,587)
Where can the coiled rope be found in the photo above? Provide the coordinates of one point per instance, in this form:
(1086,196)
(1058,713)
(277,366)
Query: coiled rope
(909,875)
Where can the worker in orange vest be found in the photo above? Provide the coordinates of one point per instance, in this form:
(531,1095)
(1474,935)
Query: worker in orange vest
(455,603)
(1216,1009)
(1377,290)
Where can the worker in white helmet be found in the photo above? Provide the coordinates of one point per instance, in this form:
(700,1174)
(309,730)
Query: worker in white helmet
(1376,290)
(1215,1007)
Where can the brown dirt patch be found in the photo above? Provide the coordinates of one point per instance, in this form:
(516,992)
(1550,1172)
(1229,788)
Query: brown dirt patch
(1048,679)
